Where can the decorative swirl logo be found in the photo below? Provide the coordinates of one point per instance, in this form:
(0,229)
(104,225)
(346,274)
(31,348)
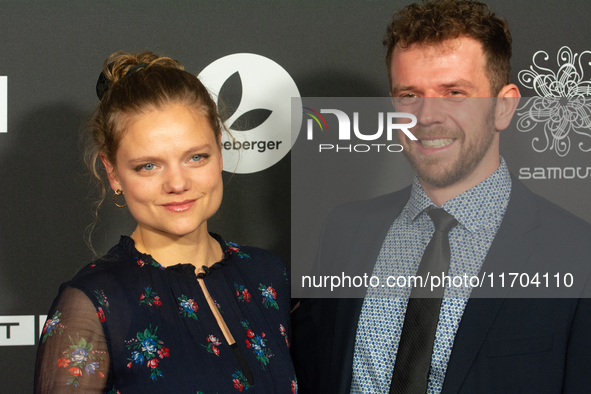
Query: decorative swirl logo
(564,104)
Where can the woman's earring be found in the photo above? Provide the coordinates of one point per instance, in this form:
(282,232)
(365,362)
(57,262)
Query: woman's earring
(118,192)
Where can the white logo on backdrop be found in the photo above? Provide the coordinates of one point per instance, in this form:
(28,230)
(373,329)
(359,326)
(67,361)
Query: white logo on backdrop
(3,104)
(564,105)
(254,97)
(17,330)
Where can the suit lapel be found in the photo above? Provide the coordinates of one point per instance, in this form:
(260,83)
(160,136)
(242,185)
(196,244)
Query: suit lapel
(513,244)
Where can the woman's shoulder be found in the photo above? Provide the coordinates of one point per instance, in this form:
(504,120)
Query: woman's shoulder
(248,253)
(116,264)
(258,264)
(254,253)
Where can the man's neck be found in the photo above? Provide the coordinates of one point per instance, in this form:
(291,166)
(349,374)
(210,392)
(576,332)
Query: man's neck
(440,195)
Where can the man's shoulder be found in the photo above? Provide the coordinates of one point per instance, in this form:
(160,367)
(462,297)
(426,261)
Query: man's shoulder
(556,215)
(553,217)
(355,230)
(384,203)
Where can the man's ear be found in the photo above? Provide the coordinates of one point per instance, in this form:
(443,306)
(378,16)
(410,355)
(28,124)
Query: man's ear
(111,174)
(507,102)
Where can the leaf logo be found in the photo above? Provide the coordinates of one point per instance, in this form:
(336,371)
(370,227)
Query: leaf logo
(229,101)
(254,95)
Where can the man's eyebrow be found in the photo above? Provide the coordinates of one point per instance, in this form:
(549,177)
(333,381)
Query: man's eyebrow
(458,82)
(453,84)
(399,88)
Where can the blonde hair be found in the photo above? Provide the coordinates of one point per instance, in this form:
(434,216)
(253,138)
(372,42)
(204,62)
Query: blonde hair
(131,84)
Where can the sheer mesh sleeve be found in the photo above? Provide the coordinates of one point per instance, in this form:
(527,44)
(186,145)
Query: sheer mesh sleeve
(73,355)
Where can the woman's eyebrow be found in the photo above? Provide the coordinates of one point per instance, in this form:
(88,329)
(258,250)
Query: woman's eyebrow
(143,159)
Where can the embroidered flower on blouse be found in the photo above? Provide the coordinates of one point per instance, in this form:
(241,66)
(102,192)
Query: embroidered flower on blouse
(102,300)
(242,293)
(240,382)
(234,247)
(153,263)
(269,296)
(147,347)
(81,357)
(257,343)
(283,332)
(150,297)
(294,385)
(52,326)
(212,345)
(188,307)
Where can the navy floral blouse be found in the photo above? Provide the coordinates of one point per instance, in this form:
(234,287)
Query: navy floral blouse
(125,324)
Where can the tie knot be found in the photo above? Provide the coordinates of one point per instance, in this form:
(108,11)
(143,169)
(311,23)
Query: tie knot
(443,221)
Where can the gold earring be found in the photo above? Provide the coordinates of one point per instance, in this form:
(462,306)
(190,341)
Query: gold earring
(118,192)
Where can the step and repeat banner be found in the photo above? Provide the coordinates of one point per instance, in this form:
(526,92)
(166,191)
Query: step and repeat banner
(260,55)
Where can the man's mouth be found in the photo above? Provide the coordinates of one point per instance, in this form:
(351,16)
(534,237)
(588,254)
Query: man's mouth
(439,143)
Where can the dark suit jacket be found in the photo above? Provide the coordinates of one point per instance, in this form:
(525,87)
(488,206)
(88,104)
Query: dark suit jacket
(503,344)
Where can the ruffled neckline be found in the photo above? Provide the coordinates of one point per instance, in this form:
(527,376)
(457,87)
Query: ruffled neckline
(128,245)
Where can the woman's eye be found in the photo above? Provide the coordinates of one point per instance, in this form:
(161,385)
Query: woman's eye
(145,167)
(200,157)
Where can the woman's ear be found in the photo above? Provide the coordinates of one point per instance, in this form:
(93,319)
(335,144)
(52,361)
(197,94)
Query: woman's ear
(111,174)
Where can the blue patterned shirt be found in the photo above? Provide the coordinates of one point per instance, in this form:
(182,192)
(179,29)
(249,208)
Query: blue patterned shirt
(479,212)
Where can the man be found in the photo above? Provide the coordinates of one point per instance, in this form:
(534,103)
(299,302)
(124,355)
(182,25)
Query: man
(446,59)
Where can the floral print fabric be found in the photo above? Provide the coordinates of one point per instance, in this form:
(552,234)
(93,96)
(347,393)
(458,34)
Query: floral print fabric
(125,324)
(147,348)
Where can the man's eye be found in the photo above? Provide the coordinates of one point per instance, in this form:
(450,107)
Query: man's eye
(406,99)
(455,96)
(457,93)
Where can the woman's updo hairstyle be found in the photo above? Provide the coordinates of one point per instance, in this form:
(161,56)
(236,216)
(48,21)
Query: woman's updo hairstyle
(131,84)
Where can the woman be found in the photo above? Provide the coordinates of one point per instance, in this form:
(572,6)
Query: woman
(172,308)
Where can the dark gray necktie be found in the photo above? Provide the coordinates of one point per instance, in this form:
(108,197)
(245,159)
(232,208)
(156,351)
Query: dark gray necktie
(413,360)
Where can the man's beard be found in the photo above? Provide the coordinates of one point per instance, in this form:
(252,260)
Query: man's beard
(467,160)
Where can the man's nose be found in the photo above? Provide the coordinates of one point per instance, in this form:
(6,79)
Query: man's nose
(430,111)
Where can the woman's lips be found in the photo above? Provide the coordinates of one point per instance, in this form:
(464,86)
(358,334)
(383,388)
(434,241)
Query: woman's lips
(181,206)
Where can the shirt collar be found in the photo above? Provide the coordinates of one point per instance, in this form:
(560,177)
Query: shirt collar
(482,206)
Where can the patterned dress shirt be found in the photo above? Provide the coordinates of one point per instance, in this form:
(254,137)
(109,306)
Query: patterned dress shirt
(479,212)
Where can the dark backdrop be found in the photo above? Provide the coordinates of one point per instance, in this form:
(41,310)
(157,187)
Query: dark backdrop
(52,53)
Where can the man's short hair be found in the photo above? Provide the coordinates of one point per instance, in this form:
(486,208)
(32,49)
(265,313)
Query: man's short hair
(436,21)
